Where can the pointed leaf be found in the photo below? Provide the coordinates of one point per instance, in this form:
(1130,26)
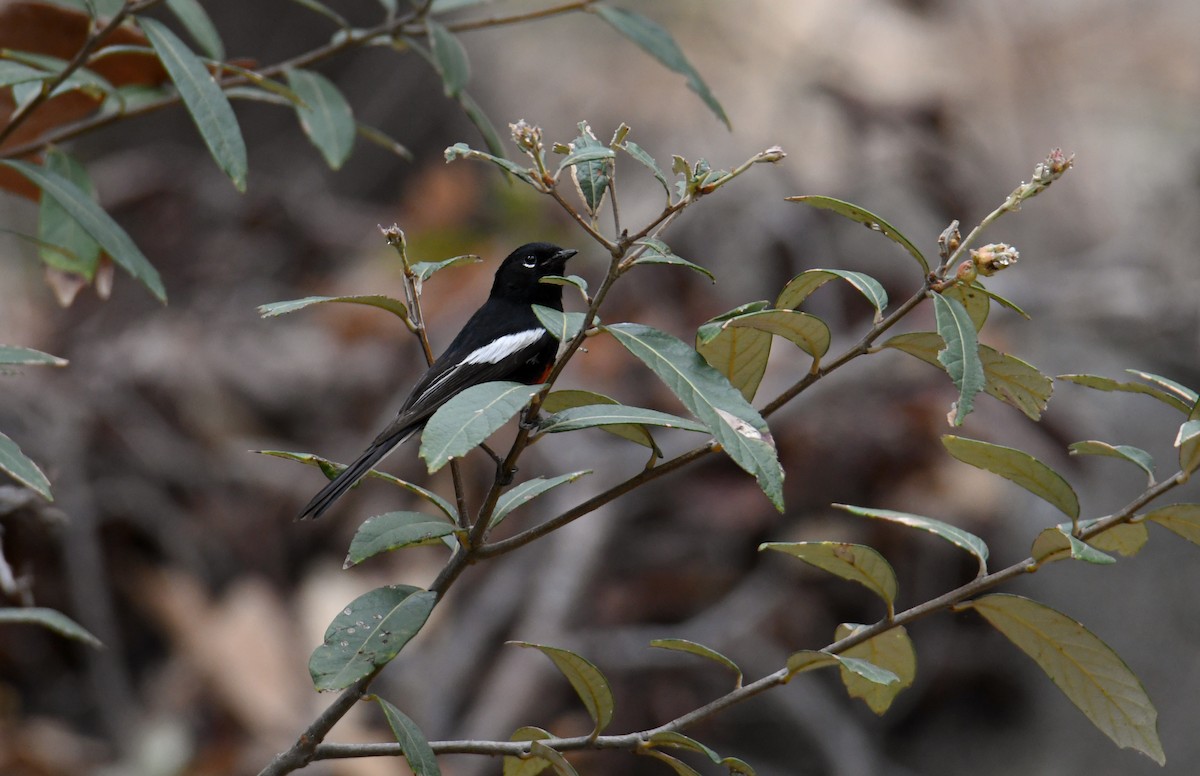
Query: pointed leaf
(960,357)
(737,426)
(591,164)
(562,326)
(1000,300)
(192,16)
(891,651)
(1188,442)
(368,633)
(594,415)
(556,760)
(412,741)
(531,766)
(324,10)
(557,401)
(523,493)
(58,228)
(449,57)
(325,116)
(677,740)
(855,562)
(203,98)
(807,332)
(95,222)
(1182,391)
(692,648)
(589,683)
(487,130)
(800,287)
(657,252)
(391,531)
(469,418)
(426,269)
(1019,467)
(1086,669)
(974,301)
(379,138)
(393,306)
(868,219)
(740,354)
(49,618)
(738,766)
(636,151)
(1124,538)
(1182,519)
(21,469)
(808,659)
(658,43)
(463,151)
(19,356)
(1098,383)
(953,534)
(1134,455)
(1058,542)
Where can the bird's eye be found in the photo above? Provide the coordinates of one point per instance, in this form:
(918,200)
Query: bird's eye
(531,262)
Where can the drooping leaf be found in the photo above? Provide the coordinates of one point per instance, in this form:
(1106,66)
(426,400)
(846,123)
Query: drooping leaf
(868,219)
(373,135)
(1086,669)
(692,648)
(1182,391)
(737,426)
(391,531)
(555,759)
(194,18)
(591,165)
(393,306)
(412,741)
(638,153)
(740,354)
(1019,467)
(974,301)
(464,151)
(95,222)
(449,57)
(48,618)
(953,534)
(1058,543)
(891,651)
(1000,300)
(960,357)
(593,415)
(368,633)
(487,130)
(807,332)
(679,766)
(589,683)
(1134,455)
(1124,538)
(20,468)
(426,269)
(469,418)
(855,562)
(654,39)
(737,766)
(809,659)
(12,73)
(562,326)
(57,227)
(1188,442)
(522,493)
(657,252)
(204,100)
(1182,519)
(1098,383)
(531,766)
(800,287)
(18,356)
(325,116)
(677,740)
(557,401)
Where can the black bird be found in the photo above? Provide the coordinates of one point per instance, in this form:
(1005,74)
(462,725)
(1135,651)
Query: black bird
(503,340)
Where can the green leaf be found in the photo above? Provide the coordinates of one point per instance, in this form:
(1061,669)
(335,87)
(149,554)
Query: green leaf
(412,741)
(1086,669)
(393,306)
(677,740)
(18,356)
(960,357)
(589,683)
(590,416)
(464,151)
(562,326)
(737,426)
(1181,519)
(391,531)
(1058,542)
(1098,383)
(58,228)
(807,332)
(204,100)
(636,151)
(973,299)
(192,16)
(557,401)
(331,470)
(1124,538)
(1182,391)
(1188,442)
(1000,300)
(48,618)
(739,354)
(21,469)
(679,766)
(738,766)
(658,43)
(809,659)
(568,280)
(891,651)
(868,219)
(692,648)
(657,252)
(1134,455)
(855,562)
(449,57)
(426,269)
(324,10)
(1019,467)
(591,164)
(487,130)
(953,534)
(1009,379)
(712,326)
(95,222)
(373,135)
(800,287)
(556,760)
(325,116)
(469,418)
(18,73)
(532,766)
(521,494)
(368,633)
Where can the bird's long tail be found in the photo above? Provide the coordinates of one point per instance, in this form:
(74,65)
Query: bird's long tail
(355,472)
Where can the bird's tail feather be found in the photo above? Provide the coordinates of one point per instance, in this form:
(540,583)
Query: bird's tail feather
(353,473)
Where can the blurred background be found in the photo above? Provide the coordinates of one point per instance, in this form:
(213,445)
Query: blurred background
(177,547)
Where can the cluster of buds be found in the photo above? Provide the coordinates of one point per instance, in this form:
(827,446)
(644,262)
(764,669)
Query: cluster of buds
(1048,171)
(771,156)
(992,258)
(527,137)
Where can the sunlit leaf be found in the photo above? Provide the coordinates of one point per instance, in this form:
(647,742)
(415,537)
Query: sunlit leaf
(677,740)
(740,354)
(1182,519)
(589,683)
(1182,391)
(1188,442)
(412,741)
(808,659)
(1086,669)
(960,357)
(692,648)
(1124,538)
(325,116)
(855,562)
(555,759)
(1096,382)
(892,651)
(48,618)
(1019,467)
(469,418)
(557,401)
(532,766)
(1134,455)
(953,534)
(391,531)
(868,219)
(800,287)
(973,299)
(1058,543)
(805,331)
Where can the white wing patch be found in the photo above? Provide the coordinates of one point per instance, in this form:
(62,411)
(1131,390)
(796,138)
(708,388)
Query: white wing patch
(500,349)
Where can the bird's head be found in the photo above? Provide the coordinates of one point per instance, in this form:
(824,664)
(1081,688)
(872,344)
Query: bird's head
(519,276)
